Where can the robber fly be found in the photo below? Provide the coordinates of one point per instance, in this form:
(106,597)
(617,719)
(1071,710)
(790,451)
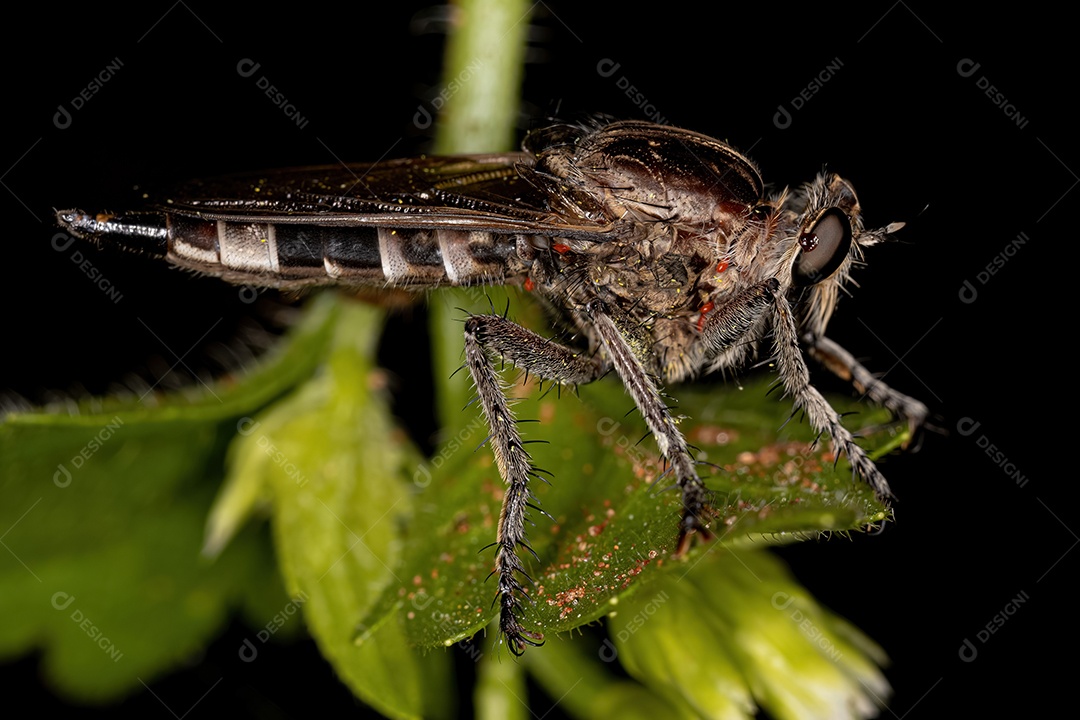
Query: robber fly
(657,247)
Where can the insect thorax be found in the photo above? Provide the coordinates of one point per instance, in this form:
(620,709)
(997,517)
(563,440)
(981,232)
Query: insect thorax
(660,286)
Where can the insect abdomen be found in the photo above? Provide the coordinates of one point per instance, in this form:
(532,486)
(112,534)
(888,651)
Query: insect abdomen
(294,255)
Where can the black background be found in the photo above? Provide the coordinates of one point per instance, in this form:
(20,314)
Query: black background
(921,141)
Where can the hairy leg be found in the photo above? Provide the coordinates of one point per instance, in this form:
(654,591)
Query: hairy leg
(492,335)
(842,364)
(796,379)
(619,342)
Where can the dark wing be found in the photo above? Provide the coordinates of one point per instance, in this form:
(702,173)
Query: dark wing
(499,192)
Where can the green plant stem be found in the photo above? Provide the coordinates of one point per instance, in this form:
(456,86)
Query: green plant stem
(482,76)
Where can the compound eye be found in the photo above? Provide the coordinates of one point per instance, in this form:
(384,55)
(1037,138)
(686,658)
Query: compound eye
(824,247)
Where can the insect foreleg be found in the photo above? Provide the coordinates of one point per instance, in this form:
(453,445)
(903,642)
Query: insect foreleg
(841,363)
(727,325)
(796,378)
(620,344)
(492,334)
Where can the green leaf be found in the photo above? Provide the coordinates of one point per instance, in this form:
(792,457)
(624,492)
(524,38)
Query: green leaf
(102,521)
(613,526)
(332,461)
(736,631)
(579,676)
(665,637)
(500,690)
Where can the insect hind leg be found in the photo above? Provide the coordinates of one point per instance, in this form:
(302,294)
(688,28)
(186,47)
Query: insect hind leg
(493,335)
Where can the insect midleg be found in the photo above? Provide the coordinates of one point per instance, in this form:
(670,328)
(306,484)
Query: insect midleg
(671,442)
(496,335)
(823,418)
(842,364)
